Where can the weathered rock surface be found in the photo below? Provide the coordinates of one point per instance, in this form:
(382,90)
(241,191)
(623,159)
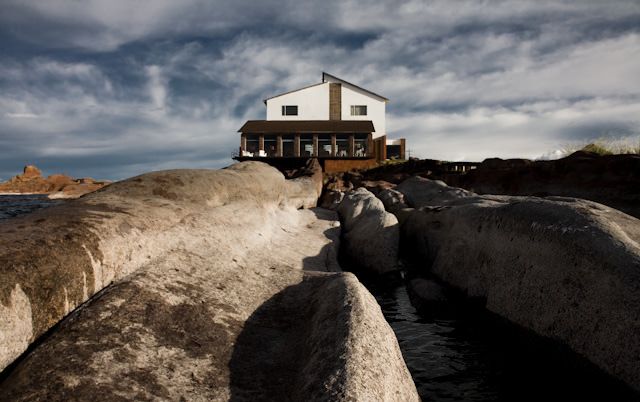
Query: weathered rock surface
(78,188)
(31,172)
(377,186)
(419,192)
(306,179)
(392,200)
(371,234)
(566,268)
(331,199)
(212,296)
(56,185)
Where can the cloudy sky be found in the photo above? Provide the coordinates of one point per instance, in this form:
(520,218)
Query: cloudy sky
(114,88)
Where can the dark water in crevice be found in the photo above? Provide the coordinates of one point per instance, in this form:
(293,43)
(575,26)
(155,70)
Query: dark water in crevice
(14,205)
(468,354)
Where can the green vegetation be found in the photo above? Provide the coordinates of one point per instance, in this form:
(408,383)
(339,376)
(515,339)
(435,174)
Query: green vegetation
(605,147)
(597,149)
(392,162)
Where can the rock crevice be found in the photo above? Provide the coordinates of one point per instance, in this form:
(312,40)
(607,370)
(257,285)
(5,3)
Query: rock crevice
(566,268)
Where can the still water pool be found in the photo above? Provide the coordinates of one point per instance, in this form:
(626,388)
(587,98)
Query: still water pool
(14,205)
(467,354)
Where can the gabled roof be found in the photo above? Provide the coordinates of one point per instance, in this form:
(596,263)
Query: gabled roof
(307,126)
(334,78)
(293,90)
(324,81)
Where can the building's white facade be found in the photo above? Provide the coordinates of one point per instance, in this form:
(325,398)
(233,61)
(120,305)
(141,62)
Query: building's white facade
(376,109)
(313,103)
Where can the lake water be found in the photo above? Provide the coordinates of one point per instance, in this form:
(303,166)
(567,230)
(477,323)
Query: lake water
(14,205)
(468,354)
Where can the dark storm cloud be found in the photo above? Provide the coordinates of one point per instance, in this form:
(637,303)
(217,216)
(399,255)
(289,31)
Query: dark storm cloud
(115,88)
(597,130)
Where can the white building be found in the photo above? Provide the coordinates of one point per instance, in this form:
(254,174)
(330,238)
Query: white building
(341,124)
(331,99)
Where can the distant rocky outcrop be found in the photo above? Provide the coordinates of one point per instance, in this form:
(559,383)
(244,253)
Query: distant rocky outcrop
(197,285)
(567,269)
(31,172)
(612,180)
(31,181)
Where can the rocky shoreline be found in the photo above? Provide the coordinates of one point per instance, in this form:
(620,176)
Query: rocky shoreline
(218,285)
(564,268)
(57,186)
(612,180)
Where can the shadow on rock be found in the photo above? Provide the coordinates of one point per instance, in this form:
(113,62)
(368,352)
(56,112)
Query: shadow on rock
(271,352)
(327,258)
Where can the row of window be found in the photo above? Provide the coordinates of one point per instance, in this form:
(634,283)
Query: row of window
(356,110)
(361,145)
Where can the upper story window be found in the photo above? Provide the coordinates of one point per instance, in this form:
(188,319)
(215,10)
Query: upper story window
(290,110)
(358,110)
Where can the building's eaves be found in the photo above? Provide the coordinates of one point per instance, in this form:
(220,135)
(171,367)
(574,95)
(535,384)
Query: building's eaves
(353,85)
(292,91)
(307,126)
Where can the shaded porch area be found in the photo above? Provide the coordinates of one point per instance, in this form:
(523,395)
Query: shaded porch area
(306,139)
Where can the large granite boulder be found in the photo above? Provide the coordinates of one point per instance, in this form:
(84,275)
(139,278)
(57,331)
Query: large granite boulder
(371,235)
(392,199)
(207,294)
(376,186)
(419,191)
(304,179)
(331,199)
(192,327)
(566,268)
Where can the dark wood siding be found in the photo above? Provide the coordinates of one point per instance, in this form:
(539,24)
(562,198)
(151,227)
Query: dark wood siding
(380,146)
(307,126)
(345,165)
(335,101)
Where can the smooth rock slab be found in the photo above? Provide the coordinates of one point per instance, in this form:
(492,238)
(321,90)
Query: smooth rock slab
(213,290)
(62,255)
(226,321)
(311,337)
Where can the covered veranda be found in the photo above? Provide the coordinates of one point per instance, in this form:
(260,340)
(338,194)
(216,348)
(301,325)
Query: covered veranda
(348,139)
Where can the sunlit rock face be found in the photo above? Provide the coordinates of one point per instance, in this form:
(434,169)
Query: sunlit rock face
(568,269)
(215,285)
(15,326)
